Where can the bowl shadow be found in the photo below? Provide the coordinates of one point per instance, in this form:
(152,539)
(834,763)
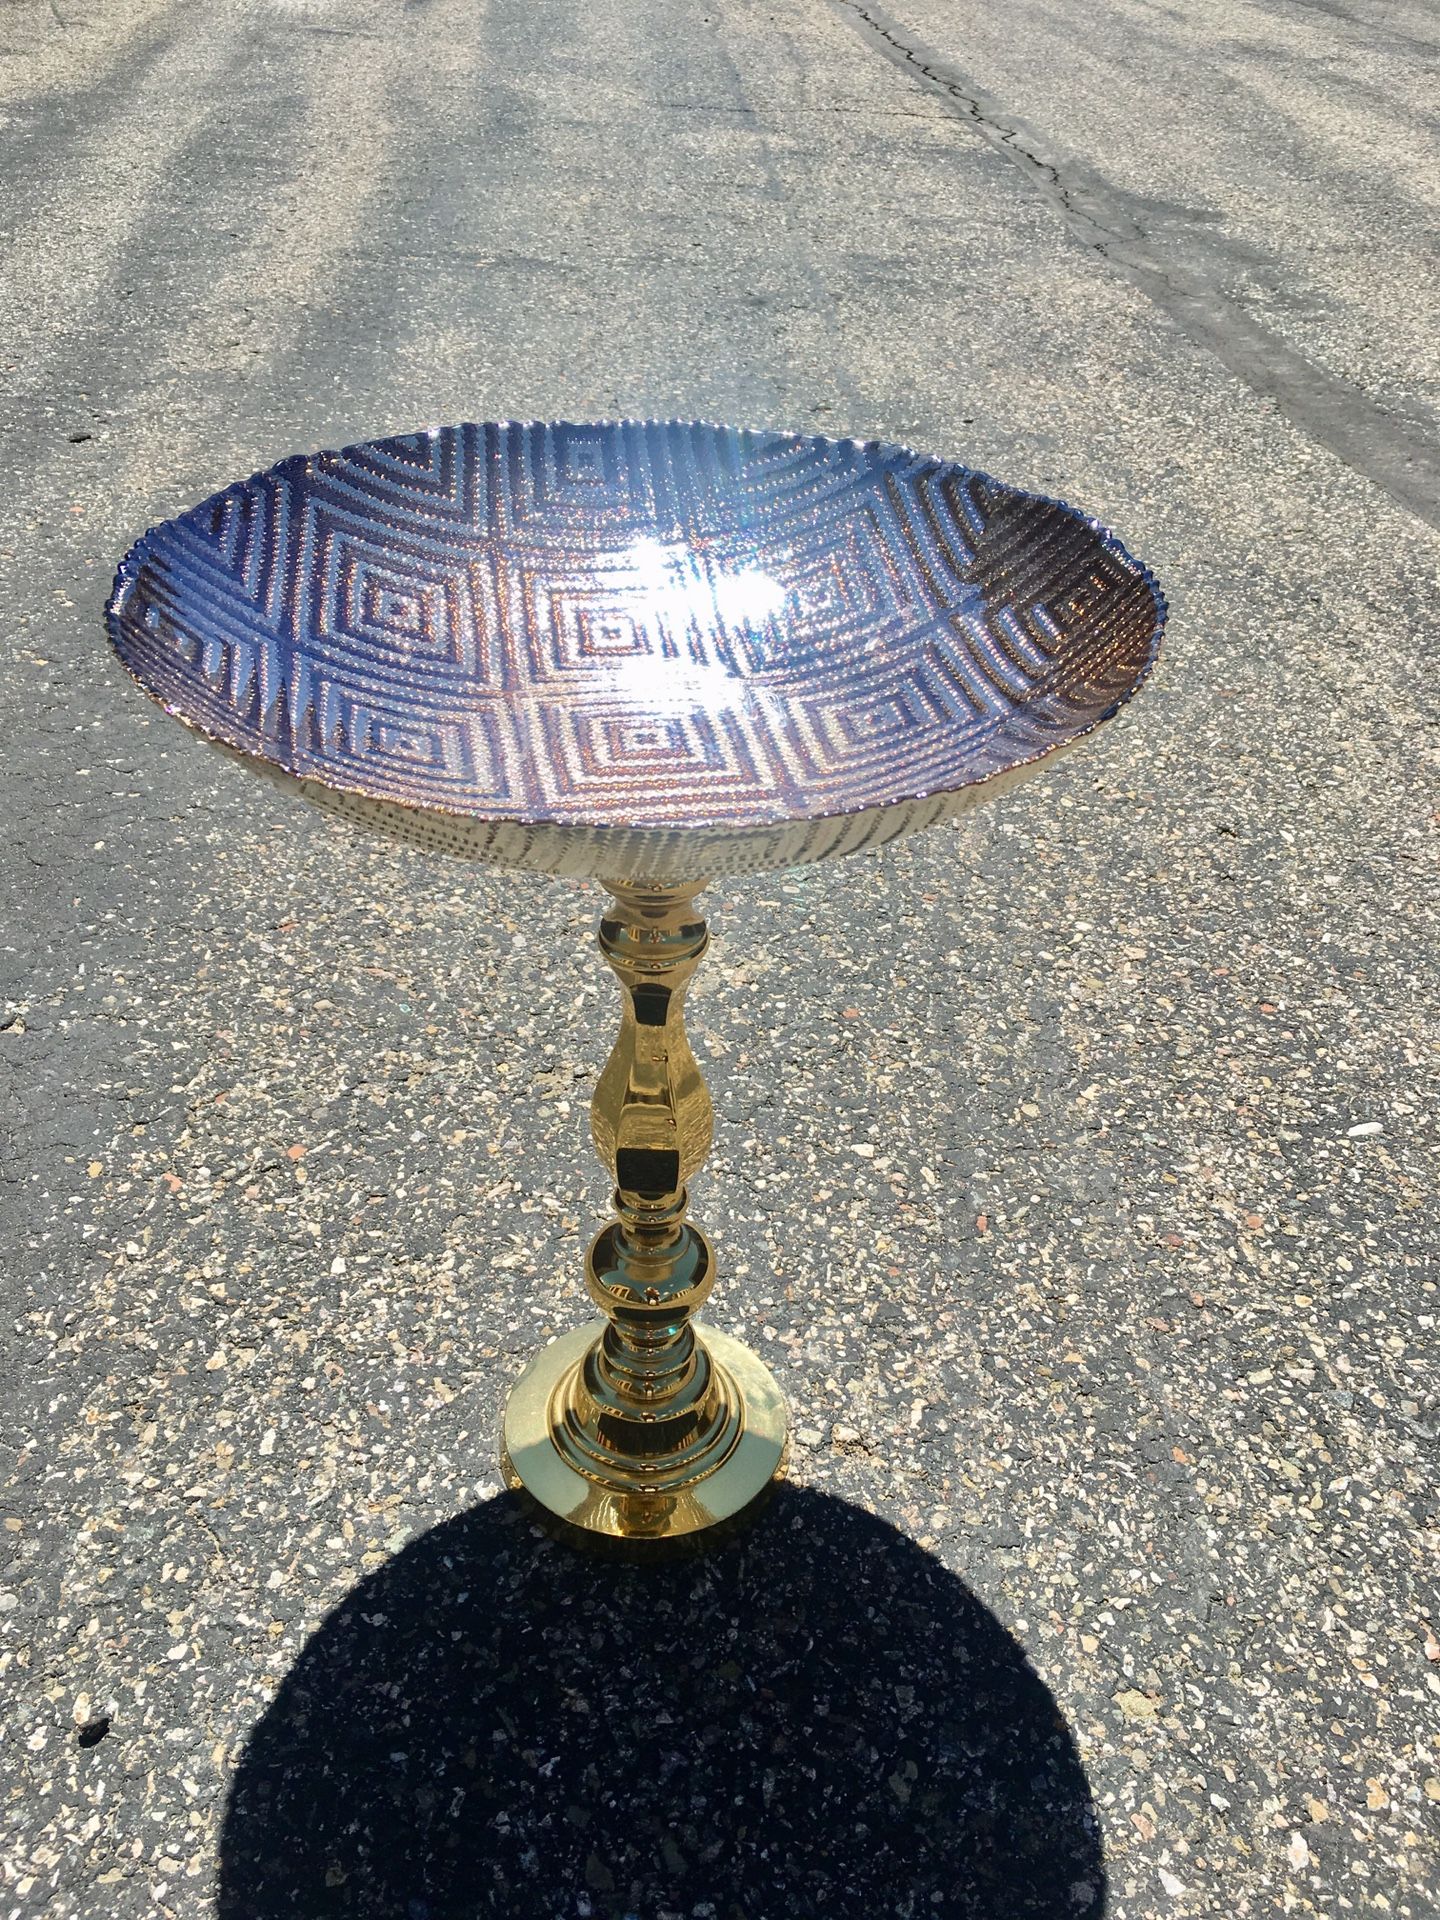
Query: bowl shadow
(815,1719)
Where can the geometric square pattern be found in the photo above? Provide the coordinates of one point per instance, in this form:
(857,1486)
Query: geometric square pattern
(651,633)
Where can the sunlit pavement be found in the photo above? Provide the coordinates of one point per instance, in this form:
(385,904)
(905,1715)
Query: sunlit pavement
(1074,1167)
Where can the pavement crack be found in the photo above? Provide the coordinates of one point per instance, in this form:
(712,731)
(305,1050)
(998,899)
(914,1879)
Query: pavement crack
(1400,457)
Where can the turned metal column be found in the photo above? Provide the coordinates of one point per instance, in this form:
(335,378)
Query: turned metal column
(638,1424)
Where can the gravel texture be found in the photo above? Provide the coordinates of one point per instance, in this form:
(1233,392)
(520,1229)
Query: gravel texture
(1075,1168)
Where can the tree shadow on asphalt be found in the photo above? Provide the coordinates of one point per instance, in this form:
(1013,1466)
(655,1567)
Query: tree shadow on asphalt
(815,1719)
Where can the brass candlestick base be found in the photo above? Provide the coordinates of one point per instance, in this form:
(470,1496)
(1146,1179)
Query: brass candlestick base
(543,1403)
(635,1426)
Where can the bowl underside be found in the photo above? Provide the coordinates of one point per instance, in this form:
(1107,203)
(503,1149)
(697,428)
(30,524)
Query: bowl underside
(637,650)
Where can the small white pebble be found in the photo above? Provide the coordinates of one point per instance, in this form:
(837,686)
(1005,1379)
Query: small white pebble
(1171,1885)
(1366,1130)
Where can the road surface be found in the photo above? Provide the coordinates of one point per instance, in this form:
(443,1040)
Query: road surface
(1075,1167)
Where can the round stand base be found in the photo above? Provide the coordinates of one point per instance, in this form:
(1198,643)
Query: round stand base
(529,1458)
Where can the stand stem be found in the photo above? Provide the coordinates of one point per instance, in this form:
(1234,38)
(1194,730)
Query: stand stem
(646,1412)
(650,1406)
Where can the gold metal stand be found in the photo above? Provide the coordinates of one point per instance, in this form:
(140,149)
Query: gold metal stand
(636,1426)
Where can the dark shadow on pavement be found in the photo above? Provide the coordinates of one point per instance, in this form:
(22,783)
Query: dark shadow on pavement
(814,1720)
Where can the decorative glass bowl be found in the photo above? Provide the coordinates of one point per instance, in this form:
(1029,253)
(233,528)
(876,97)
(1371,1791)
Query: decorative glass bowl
(638,648)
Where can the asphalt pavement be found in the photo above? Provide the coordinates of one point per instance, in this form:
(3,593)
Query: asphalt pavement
(1075,1167)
